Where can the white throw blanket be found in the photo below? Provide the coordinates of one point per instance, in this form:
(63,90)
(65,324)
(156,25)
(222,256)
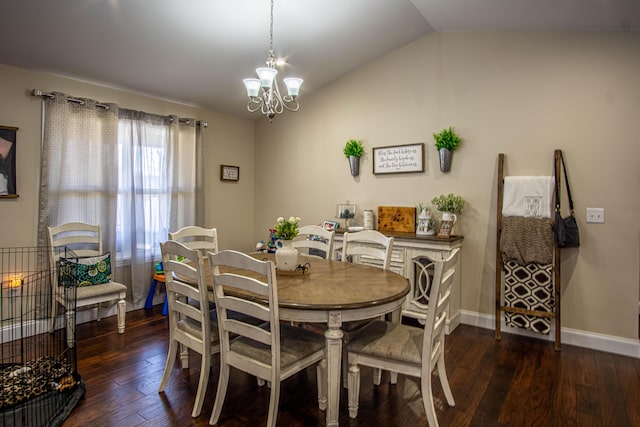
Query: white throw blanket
(528,196)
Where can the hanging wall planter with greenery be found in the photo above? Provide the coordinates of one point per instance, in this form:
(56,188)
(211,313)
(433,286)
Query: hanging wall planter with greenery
(353,150)
(446,143)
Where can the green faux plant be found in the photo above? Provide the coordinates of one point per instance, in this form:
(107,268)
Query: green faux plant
(353,147)
(447,138)
(448,203)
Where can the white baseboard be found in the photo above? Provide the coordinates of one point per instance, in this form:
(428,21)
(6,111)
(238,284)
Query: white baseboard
(591,340)
(29,328)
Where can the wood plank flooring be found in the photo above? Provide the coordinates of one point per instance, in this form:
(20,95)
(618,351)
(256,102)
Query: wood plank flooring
(514,382)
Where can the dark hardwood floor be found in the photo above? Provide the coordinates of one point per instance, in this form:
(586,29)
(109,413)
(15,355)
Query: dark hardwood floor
(514,382)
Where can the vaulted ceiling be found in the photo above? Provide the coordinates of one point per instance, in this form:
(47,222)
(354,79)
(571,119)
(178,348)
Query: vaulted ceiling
(198,51)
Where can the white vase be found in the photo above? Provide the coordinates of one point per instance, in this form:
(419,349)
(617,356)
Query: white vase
(286,256)
(450,216)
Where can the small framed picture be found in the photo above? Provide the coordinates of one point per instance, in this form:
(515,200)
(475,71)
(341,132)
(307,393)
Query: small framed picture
(229,173)
(330,225)
(445,229)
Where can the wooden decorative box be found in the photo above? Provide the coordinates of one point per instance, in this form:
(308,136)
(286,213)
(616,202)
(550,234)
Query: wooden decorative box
(397,218)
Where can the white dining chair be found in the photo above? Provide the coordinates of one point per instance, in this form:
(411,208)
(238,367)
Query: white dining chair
(190,326)
(272,351)
(313,239)
(369,247)
(405,349)
(195,237)
(82,241)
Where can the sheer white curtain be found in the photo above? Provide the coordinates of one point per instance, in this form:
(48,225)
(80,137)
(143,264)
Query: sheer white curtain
(156,188)
(132,172)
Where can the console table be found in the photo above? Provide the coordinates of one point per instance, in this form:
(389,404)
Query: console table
(413,257)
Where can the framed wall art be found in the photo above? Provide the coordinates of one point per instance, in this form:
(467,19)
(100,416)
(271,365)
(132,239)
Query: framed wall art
(398,159)
(229,173)
(8,162)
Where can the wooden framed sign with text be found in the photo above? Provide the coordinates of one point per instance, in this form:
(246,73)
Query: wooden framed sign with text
(398,159)
(445,229)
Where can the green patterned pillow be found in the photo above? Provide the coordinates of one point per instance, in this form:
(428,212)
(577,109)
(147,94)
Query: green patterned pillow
(84,271)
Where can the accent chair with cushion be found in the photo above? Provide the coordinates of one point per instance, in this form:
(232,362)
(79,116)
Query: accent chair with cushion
(84,265)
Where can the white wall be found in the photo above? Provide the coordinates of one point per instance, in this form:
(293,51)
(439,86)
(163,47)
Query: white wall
(522,94)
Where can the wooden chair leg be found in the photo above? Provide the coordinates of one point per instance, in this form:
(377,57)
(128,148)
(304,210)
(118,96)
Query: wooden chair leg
(70,318)
(377,376)
(427,400)
(354,390)
(171,360)
(122,309)
(321,371)
(223,381)
(274,400)
(442,373)
(205,368)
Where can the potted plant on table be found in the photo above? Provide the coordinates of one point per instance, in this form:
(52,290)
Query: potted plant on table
(353,149)
(450,205)
(447,142)
(286,254)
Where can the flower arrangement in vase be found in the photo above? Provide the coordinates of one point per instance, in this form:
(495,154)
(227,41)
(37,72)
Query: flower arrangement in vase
(286,254)
(450,205)
(287,229)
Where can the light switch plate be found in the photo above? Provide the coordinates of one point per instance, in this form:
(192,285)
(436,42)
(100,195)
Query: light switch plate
(595,215)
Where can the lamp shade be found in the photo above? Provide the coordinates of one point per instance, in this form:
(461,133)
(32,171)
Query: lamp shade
(293,85)
(253,87)
(266,76)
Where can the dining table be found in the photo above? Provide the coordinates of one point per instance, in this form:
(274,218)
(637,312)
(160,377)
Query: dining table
(332,293)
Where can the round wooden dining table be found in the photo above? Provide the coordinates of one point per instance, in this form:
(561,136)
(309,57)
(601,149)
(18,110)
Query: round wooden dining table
(334,292)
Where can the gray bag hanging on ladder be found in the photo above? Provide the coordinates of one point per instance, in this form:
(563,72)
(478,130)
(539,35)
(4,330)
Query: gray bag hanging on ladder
(567,234)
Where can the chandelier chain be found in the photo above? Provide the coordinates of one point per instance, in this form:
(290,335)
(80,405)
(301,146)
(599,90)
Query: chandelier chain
(271,30)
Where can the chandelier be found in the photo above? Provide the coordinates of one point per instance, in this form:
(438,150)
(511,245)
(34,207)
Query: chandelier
(263,92)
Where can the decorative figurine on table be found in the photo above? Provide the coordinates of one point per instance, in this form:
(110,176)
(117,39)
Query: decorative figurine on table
(261,246)
(271,246)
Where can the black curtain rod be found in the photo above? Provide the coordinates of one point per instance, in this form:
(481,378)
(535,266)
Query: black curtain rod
(43,94)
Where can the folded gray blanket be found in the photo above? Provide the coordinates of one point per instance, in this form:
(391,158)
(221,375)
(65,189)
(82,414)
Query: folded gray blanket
(527,240)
